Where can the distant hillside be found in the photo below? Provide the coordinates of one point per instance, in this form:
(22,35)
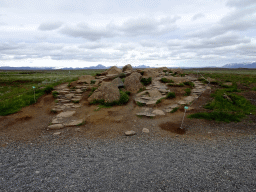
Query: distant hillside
(65,68)
(240,65)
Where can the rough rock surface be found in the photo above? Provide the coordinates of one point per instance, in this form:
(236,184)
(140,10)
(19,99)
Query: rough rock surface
(132,83)
(150,73)
(109,92)
(85,79)
(118,82)
(114,70)
(127,67)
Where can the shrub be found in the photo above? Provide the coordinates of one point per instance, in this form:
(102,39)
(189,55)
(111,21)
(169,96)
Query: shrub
(48,89)
(191,84)
(254,88)
(128,92)
(165,80)
(170,95)
(93,81)
(182,75)
(55,94)
(188,92)
(181,85)
(165,71)
(146,81)
(123,79)
(217,116)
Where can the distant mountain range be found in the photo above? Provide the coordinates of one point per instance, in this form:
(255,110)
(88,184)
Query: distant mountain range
(65,68)
(240,65)
(100,66)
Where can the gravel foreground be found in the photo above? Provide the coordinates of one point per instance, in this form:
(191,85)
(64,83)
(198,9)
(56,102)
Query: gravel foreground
(130,164)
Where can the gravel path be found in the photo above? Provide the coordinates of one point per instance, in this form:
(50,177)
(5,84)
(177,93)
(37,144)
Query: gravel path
(137,163)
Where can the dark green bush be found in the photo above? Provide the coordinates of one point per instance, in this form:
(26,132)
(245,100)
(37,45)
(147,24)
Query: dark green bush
(165,80)
(170,95)
(188,92)
(55,94)
(191,84)
(48,89)
(146,81)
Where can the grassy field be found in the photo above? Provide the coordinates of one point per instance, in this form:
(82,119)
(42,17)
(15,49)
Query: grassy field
(16,87)
(234,108)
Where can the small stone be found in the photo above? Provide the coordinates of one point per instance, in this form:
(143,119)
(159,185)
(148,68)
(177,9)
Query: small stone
(130,133)
(78,129)
(57,133)
(56,126)
(145,130)
(37,172)
(74,123)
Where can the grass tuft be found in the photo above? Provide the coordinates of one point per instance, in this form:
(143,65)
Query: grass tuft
(146,81)
(170,95)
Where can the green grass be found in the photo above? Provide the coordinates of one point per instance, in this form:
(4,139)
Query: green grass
(55,94)
(16,89)
(191,84)
(254,89)
(140,104)
(159,101)
(93,81)
(142,89)
(225,110)
(146,81)
(165,80)
(102,106)
(188,92)
(79,124)
(170,95)
(174,110)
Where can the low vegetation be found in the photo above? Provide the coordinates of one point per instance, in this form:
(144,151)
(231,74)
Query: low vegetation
(16,87)
(165,80)
(170,95)
(174,110)
(226,106)
(188,92)
(146,81)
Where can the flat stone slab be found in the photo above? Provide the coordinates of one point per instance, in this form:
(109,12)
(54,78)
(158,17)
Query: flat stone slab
(66,114)
(56,121)
(63,92)
(55,126)
(158,112)
(189,99)
(73,123)
(130,133)
(182,102)
(70,95)
(79,91)
(172,106)
(154,93)
(76,106)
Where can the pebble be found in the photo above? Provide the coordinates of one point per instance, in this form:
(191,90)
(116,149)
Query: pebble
(130,133)
(145,130)
(57,133)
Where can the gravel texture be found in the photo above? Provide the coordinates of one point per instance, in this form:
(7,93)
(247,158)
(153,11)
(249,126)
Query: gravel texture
(137,163)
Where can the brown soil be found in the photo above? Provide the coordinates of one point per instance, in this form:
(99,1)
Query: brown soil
(110,123)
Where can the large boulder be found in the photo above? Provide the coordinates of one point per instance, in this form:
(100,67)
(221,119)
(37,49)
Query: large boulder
(132,83)
(127,67)
(85,79)
(150,73)
(114,70)
(178,71)
(107,91)
(118,82)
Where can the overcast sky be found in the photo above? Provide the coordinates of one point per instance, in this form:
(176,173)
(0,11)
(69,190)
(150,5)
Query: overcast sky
(82,33)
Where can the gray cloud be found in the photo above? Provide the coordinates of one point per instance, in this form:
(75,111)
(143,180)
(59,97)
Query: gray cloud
(197,16)
(49,26)
(87,32)
(132,27)
(241,3)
